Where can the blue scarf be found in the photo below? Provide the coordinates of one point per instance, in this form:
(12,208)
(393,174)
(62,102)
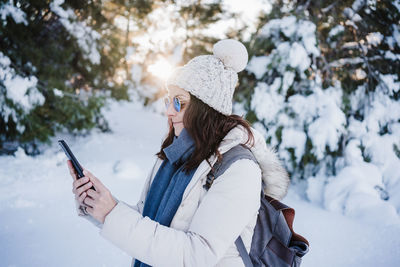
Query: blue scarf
(166,190)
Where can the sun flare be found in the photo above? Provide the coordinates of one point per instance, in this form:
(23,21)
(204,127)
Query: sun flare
(161,68)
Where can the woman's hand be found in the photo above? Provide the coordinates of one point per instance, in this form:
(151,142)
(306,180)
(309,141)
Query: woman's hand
(100,202)
(97,203)
(79,186)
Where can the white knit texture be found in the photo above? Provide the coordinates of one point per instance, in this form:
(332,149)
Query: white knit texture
(232,53)
(209,78)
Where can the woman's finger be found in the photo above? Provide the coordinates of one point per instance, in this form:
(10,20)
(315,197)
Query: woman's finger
(83,188)
(96,182)
(79,182)
(93,194)
(89,201)
(81,198)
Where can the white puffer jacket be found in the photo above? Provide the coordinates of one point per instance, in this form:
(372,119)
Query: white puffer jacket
(206,224)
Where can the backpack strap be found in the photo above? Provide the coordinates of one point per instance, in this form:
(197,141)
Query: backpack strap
(243,252)
(235,153)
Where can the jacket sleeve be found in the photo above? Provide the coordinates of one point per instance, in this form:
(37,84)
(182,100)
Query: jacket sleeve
(89,217)
(229,205)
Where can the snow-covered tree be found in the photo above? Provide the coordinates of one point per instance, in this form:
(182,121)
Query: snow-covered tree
(66,57)
(57,66)
(326,95)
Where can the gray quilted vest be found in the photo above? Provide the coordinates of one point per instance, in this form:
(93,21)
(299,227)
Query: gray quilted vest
(274,242)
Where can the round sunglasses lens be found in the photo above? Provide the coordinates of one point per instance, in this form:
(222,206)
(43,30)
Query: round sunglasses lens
(177,104)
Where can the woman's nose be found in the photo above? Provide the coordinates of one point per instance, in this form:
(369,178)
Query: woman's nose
(170,112)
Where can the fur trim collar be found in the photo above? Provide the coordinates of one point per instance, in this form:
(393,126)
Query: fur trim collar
(275,177)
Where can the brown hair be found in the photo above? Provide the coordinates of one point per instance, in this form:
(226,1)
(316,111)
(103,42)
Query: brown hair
(207,127)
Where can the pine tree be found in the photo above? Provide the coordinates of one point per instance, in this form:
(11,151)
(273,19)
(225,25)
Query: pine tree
(58,60)
(73,55)
(323,85)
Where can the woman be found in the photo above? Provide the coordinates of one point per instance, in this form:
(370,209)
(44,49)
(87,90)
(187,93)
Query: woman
(177,222)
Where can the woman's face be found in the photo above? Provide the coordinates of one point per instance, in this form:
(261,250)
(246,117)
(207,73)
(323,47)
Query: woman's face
(175,118)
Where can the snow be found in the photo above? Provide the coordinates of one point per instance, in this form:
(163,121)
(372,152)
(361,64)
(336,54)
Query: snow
(378,114)
(355,189)
(58,92)
(266,101)
(294,53)
(306,29)
(18,91)
(351,23)
(326,130)
(378,148)
(287,25)
(353,16)
(374,38)
(360,74)
(371,4)
(39,225)
(38,222)
(21,91)
(315,189)
(136,73)
(396,3)
(298,57)
(288,78)
(8,9)
(363,182)
(85,36)
(396,34)
(391,56)
(351,217)
(258,66)
(247,14)
(293,138)
(325,119)
(391,81)
(337,240)
(336,30)
(281,54)
(357,5)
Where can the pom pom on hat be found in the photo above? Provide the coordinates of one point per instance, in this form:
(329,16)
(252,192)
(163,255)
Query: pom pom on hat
(232,53)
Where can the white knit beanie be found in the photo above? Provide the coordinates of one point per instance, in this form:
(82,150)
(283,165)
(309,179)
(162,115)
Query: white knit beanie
(213,78)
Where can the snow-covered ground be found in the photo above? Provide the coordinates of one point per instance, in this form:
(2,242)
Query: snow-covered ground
(39,226)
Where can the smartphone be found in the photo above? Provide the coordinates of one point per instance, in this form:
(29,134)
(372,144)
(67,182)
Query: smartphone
(75,164)
(71,156)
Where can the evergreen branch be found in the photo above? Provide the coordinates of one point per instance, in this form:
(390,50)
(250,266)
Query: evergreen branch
(328,8)
(41,85)
(352,61)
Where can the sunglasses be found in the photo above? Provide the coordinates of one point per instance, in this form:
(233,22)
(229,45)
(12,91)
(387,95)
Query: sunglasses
(178,104)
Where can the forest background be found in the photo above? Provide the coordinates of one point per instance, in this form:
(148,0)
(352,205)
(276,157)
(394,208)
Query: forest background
(322,83)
